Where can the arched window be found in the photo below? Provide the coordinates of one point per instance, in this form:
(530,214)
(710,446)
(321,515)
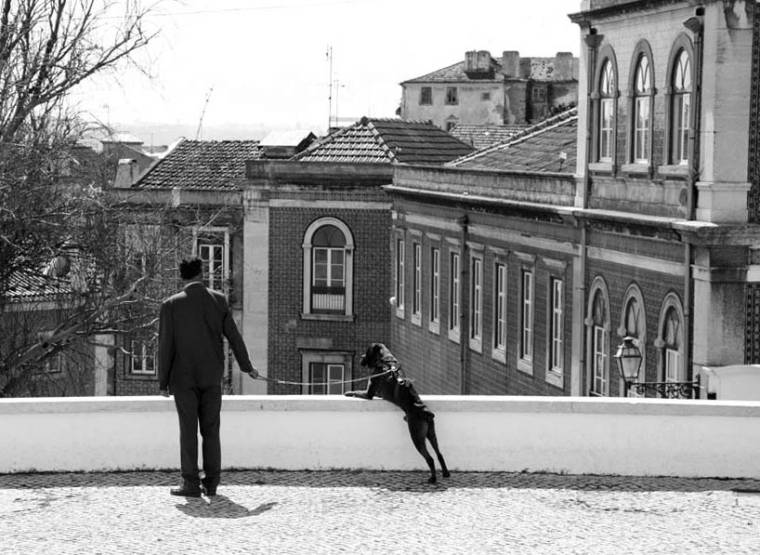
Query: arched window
(680,108)
(597,334)
(642,107)
(606,132)
(328,249)
(670,340)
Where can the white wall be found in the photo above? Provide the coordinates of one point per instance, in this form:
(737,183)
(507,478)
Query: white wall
(479,433)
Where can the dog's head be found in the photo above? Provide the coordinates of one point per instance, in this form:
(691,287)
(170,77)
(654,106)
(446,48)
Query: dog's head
(376,357)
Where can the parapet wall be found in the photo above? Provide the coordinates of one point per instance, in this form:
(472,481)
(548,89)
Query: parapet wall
(476,433)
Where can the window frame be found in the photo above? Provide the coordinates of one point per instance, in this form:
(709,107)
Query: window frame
(475,308)
(434,312)
(399,275)
(200,234)
(307,311)
(451,96)
(454,305)
(144,350)
(526,342)
(672,166)
(671,305)
(416,316)
(556,323)
(500,323)
(638,96)
(633,294)
(605,101)
(426,99)
(309,357)
(598,287)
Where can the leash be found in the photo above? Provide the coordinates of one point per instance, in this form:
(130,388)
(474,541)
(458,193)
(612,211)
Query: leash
(285,382)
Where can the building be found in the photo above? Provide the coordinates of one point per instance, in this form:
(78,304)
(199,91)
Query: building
(322,255)
(520,268)
(482,90)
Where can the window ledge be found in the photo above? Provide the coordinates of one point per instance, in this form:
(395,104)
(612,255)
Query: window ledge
(476,345)
(555,378)
(524,365)
(416,319)
(400,312)
(636,168)
(672,170)
(329,317)
(454,335)
(434,327)
(600,167)
(499,354)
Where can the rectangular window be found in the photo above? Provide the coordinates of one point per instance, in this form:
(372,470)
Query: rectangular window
(400,277)
(326,378)
(600,385)
(500,308)
(557,359)
(476,304)
(143,358)
(681,122)
(426,96)
(641,139)
(485,96)
(212,247)
(435,289)
(539,94)
(672,365)
(452,96)
(56,363)
(417,283)
(328,288)
(526,339)
(454,304)
(605,129)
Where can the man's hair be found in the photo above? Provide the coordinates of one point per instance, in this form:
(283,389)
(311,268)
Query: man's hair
(190,268)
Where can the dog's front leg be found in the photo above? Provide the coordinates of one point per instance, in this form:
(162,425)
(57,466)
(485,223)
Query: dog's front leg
(359,394)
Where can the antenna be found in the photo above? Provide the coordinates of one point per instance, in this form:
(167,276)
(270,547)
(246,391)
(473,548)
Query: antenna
(329,54)
(203,113)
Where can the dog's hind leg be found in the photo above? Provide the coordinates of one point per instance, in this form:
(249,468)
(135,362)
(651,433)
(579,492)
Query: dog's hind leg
(418,429)
(434,442)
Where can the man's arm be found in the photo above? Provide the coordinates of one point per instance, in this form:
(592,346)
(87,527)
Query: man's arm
(165,347)
(239,349)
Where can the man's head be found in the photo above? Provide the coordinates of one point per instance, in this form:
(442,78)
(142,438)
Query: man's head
(191,269)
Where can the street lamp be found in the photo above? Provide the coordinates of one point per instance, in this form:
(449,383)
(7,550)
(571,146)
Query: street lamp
(628,358)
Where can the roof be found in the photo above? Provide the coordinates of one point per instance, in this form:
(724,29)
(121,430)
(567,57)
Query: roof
(387,141)
(456,72)
(202,165)
(549,146)
(30,286)
(482,136)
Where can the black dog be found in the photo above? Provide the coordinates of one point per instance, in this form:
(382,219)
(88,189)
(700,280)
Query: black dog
(386,382)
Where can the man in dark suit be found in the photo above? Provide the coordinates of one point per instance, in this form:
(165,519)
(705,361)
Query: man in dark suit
(191,366)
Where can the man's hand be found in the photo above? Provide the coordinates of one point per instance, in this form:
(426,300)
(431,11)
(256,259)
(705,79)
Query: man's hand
(164,393)
(253,373)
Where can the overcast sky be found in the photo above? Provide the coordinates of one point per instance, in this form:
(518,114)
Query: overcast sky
(263,64)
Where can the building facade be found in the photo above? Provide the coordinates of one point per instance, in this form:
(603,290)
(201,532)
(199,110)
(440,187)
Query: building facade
(644,227)
(483,90)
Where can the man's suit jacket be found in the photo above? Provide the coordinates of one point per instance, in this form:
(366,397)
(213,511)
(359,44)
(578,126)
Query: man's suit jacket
(191,352)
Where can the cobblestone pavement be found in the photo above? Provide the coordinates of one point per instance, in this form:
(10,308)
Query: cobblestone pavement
(378,512)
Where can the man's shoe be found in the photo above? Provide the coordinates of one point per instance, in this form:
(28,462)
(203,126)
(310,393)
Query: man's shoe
(208,491)
(186,491)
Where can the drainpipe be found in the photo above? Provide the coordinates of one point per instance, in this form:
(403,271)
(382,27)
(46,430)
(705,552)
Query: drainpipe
(694,24)
(592,40)
(464,310)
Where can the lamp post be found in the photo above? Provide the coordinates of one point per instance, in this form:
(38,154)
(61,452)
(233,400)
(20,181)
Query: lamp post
(628,358)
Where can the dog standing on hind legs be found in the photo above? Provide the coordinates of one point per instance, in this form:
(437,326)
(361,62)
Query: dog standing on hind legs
(386,382)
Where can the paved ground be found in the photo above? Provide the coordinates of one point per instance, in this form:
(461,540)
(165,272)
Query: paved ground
(378,512)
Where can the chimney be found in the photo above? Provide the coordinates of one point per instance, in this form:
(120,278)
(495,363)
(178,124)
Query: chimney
(483,63)
(563,66)
(126,174)
(470,61)
(510,62)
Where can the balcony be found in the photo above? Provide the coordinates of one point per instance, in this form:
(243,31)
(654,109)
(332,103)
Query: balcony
(529,475)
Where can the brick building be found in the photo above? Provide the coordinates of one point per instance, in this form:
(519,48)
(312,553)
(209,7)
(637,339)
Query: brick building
(520,268)
(323,257)
(482,90)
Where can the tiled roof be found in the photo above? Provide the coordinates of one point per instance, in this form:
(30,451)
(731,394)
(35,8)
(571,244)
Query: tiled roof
(482,136)
(456,72)
(387,141)
(538,148)
(28,286)
(541,69)
(202,165)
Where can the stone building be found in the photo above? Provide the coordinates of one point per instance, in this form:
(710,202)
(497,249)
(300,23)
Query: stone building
(527,266)
(482,90)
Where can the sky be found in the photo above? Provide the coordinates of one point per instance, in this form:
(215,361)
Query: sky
(238,68)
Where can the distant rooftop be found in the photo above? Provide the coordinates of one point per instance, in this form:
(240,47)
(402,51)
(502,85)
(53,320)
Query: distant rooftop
(202,165)
(482,136)
(549,146)
(387,141)
(292,137)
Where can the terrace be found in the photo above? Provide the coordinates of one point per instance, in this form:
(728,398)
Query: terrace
(322,474)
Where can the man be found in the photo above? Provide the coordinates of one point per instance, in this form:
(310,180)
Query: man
(191,366)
